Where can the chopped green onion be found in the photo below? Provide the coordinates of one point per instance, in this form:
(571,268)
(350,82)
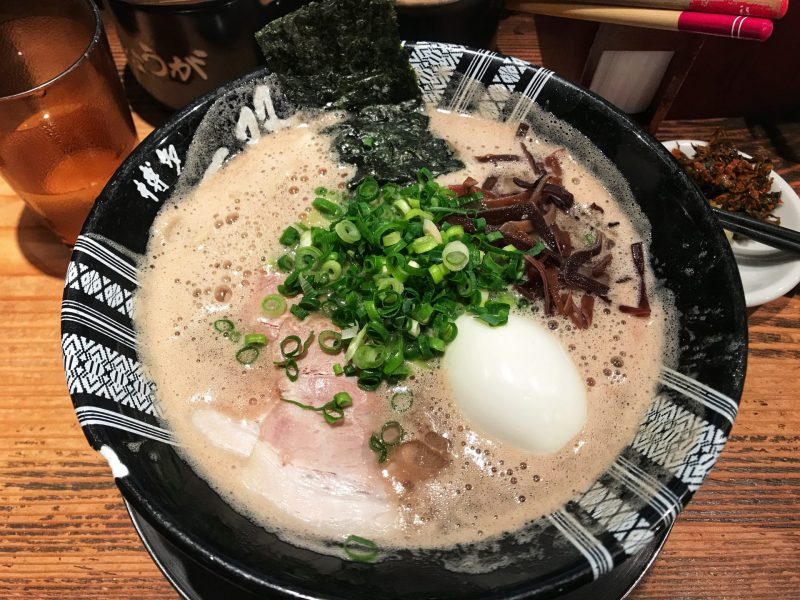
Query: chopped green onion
(378,448)
(273,305)
(289,236)
(424,175)
(369,379)
(455,256)
(299,312)
(301,405)
(368,189)
(392,282)
(351,349)
(394,275)
(371,310)
(369,357)
(224,325)
(417,212)
(306,284)
(379,443)
(306,239)
(255,339)
(306,256)
(537,249)
(342,399)
(506,298)
(333,269)
(429,228)
(494,236)
(337,369)
(438,272)
(360,549)
(395,361)
(589,238)
(423,244)
(367,141)
(330,341)
(375,264)
(453,232)
(402,206)
(326,207)
(247,355)
(332,412)
(436,344)
(402,401)
(347,232)
(413,267)
(390,239)
(285,263)
(492,313)
(291,369)
(413,328)
(350,332)
(396,433)
(306,345)
(448,332)
(291,346)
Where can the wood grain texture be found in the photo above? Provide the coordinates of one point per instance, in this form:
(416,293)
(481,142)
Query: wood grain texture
(64,532)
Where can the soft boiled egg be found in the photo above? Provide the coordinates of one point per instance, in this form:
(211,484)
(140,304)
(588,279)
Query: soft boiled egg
(516,383)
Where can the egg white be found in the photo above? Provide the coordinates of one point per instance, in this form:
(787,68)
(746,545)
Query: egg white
(516,384)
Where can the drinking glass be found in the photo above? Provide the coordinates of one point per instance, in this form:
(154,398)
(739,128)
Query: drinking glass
(65,124)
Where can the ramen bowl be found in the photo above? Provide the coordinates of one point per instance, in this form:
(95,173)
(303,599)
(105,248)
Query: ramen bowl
(638,496)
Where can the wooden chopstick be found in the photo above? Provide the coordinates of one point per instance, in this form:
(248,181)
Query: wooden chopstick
(770,9)
(737,27)
(766,233)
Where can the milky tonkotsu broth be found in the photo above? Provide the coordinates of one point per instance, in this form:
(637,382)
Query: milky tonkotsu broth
(205,259)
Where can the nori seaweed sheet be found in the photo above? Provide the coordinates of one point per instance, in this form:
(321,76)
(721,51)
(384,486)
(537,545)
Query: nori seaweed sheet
(339,53)
(398,144)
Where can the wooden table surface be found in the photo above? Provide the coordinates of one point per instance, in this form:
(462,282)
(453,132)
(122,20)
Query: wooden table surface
(64,532)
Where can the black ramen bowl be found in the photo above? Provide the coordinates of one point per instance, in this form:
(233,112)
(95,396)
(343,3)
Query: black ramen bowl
(640,494)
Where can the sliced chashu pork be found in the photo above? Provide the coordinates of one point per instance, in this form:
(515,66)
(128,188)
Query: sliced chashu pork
(229,421)
(322,474)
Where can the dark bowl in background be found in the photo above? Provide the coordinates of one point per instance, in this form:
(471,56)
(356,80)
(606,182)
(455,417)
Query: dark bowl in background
(179,50)
(468,22)
(676,445)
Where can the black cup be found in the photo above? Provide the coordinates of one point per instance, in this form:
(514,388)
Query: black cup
(179,50)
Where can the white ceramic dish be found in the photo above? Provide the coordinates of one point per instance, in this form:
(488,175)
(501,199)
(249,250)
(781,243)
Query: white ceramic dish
(765,279)
(789,211)
(766,273)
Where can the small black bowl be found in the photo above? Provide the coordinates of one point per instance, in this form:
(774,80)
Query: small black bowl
(676,444)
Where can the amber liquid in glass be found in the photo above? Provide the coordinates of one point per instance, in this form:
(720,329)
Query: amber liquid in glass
(59,146)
